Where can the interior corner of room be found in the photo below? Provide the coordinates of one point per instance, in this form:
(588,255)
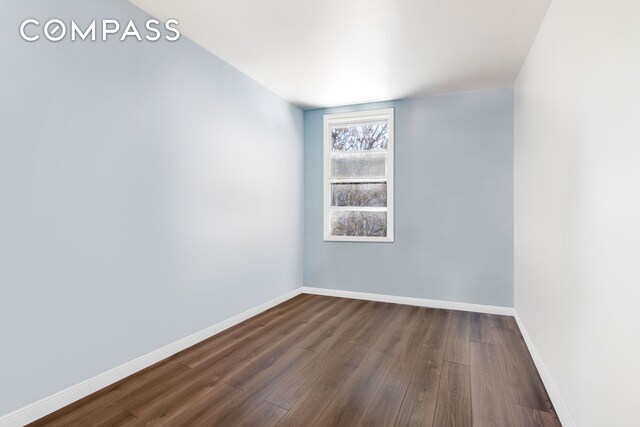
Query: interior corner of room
(185,240)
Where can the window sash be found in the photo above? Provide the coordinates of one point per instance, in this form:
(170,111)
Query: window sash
(360,208)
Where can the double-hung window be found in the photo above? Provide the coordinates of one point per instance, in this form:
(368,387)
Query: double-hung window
(358,176)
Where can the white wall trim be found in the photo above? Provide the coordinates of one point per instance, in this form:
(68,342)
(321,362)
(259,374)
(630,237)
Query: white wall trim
(554,394)
(420,302)
(561,408)
(358,117)
(74,393)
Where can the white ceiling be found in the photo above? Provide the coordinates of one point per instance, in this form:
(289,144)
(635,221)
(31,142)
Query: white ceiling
(320,53)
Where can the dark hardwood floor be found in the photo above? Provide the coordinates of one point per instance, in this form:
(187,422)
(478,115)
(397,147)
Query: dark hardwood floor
(321,361)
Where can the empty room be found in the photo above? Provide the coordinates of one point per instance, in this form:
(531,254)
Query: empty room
(320,213)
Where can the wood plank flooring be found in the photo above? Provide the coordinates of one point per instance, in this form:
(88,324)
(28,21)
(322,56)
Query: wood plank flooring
(322,361)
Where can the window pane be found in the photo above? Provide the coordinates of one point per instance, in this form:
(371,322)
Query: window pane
(360,137)
(358,166)
(359,223)
(369,194)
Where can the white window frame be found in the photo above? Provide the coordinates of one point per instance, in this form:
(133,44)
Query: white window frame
(356,118)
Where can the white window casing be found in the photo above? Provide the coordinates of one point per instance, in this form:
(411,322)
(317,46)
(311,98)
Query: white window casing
(359,176)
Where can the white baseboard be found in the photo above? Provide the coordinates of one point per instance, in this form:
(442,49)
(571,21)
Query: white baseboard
(561,408)
(554,394)
(74,393)
(420,302)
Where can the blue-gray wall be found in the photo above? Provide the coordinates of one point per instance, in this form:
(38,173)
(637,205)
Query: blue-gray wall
(147,191)
(453,204)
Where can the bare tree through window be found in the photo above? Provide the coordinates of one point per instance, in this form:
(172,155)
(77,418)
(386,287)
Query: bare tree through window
(366,137)
(368,194)
(359,223)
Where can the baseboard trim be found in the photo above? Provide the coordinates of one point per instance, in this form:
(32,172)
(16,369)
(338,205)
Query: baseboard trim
(420,302)
(74,393)
(554,394)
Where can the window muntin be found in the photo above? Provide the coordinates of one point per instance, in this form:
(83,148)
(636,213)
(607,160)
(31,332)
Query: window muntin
(358,176)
